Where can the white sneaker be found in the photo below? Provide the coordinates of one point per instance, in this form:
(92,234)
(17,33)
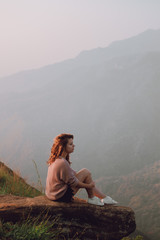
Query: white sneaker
(95,201)
(108,200)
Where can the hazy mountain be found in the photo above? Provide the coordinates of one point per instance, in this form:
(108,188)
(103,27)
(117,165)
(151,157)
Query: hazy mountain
(147,41)
(108,98)
(140,191)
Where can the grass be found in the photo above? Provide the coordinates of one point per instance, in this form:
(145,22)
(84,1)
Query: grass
(139,237)
(31,229)
(12,183)
(39,178)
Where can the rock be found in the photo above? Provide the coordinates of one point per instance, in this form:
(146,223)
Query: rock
(87,221)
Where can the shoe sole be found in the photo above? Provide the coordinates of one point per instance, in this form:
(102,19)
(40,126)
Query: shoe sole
(96,204)
(111,203)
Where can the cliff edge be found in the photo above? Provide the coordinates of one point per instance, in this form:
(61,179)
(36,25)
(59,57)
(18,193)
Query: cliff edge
(89,221)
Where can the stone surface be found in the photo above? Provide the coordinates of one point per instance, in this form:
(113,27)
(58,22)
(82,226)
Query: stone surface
(85,220)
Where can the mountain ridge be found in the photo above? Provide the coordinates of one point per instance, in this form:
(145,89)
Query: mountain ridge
(90,57)
(114,102)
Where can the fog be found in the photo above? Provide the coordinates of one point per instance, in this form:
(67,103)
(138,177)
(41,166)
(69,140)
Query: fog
(108,98)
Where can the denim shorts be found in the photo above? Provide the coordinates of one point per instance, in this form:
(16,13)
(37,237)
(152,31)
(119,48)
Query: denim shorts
(68,196)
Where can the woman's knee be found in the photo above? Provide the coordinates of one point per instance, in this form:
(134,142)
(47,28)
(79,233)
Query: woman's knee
(83,174)
(86,171)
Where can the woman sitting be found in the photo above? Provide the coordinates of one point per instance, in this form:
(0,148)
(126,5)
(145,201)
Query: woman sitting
(63,182)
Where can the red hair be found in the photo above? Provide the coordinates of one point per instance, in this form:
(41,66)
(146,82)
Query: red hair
(59,146)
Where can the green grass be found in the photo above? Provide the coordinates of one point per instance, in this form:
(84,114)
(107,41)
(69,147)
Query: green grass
(31,229)
(12,183)
(135,238)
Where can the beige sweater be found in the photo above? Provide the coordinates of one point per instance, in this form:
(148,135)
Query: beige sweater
(59,176)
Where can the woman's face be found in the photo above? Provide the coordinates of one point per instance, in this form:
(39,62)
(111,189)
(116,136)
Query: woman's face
(70,146)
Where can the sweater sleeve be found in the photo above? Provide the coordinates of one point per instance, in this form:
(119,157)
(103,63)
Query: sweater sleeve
(74,171)
(67,175)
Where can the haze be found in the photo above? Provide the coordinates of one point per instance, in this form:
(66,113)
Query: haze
(37,33)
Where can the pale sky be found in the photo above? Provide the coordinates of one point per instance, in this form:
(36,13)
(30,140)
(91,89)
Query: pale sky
(35,33)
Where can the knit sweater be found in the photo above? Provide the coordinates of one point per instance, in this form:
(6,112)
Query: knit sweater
(59,176)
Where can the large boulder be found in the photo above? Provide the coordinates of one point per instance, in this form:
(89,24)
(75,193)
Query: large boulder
(85,220)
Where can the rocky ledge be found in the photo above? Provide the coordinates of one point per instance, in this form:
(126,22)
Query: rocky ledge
(78,218)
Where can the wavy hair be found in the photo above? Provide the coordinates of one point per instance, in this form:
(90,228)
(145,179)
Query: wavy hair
(58,147)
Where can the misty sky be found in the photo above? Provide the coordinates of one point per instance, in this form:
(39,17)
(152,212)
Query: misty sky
(35,33)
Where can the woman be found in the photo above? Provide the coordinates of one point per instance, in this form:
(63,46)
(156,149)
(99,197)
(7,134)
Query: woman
(63,182)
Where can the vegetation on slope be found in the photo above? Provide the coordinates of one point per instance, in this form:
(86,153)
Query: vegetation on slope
(12,183)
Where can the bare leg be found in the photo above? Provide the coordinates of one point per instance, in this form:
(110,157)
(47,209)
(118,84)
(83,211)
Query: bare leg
(98,193)
(85,176)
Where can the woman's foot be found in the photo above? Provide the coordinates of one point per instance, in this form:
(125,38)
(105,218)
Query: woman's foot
(108,200)
(96,201)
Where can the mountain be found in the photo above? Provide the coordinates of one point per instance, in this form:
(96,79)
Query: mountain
(107,97)
(140,191)
(147,41)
